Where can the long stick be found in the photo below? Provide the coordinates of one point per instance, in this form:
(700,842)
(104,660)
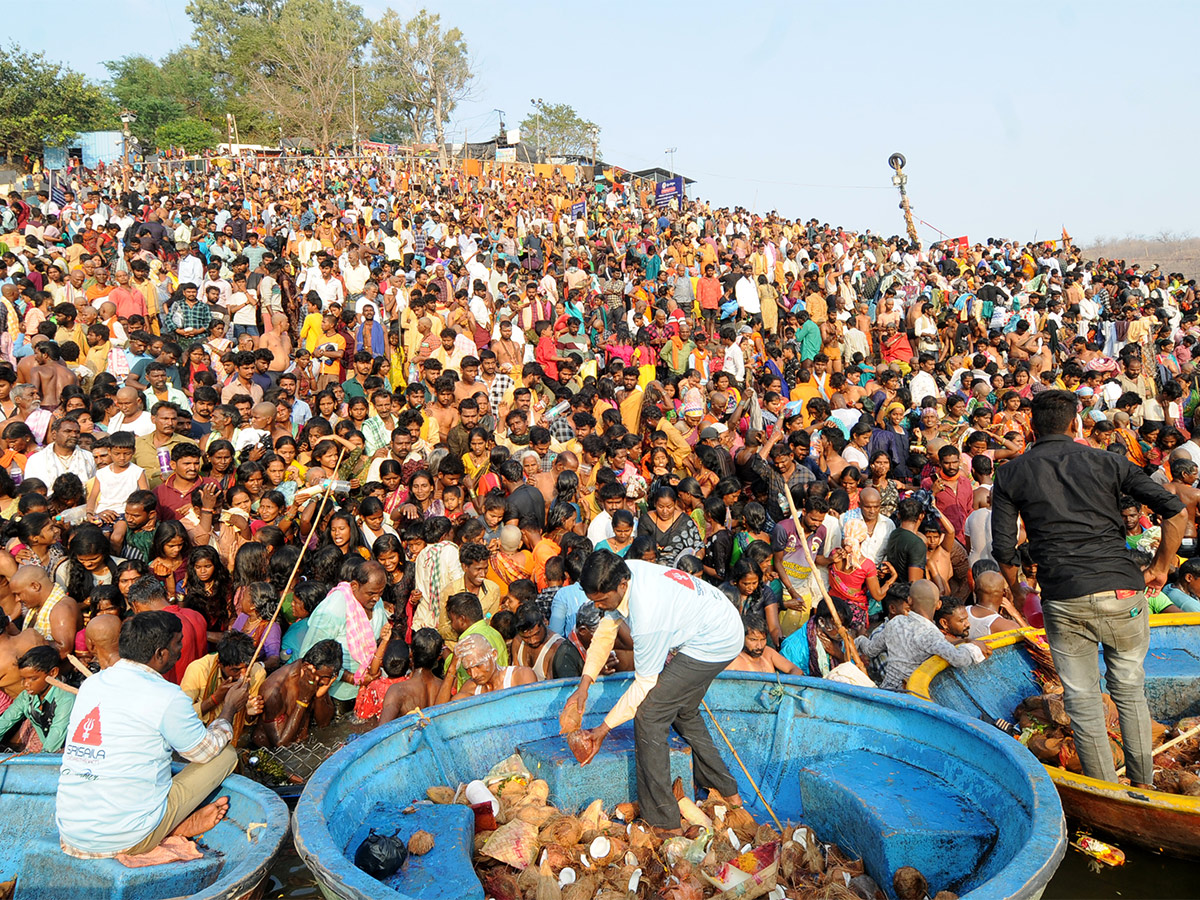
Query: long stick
(299,559)
(61,685)
(749,777)
(847,641)
(83,670)
(1190,733)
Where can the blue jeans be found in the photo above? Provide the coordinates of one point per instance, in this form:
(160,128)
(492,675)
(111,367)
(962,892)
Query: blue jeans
(239,330)
(1120,627)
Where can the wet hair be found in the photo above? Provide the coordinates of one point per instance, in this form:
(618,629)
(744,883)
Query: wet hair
(505,624)
(323,564)
(250,564)
(43,658)
(522,589)
(145,634)
(426,648)
(326,654)
(236,648)
(464,604)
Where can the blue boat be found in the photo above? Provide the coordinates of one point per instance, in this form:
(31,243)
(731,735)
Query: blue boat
(1158,821)
(237,853)
(896,781)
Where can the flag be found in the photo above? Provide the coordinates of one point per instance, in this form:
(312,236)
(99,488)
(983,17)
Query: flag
(57,194)
(1066,238)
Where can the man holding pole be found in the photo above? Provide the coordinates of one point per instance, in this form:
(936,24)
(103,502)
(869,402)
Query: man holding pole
(667,610)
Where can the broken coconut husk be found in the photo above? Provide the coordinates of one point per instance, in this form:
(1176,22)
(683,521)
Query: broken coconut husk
(583,888)
(420,843)
(566,831)
(558,857)
(536,815)
(594,818)
(440,794)
(945,895)
(500,882)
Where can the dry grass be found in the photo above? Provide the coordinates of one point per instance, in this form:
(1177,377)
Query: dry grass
(1173,252)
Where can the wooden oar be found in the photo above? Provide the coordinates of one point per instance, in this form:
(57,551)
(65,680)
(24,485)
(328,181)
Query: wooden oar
(847,641)
(1175,741)
(299,559)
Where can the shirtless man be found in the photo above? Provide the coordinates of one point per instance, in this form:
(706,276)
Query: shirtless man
(478,657)
(444,409)
(50,376)
(469,383)
(278,341)
(1182,485)
(757,655)
(546,481)
(420,689)
(12,648)
(102,635)
(297,694)
(985,616)
(61,621)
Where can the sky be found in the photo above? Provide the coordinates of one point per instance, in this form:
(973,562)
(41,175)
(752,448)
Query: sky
(1017,119)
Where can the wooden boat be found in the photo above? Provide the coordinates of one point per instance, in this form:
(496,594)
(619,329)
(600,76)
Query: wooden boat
(237,853)
(1166,823)
(893,780)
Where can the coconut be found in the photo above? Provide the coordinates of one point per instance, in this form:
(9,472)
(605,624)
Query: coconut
(420,843)
(626,812)
(737,818)
(692,814)
(909,884)
(945,895)
(536,815)
(565,830)
(584,888)
(557,857)
(765,835)
(547,885)
(867,888)
(611,895)
(538,789)
(441,794)
(642,838)
(791,860)
(527,881)
(513,788)
(501,882)
(594,817)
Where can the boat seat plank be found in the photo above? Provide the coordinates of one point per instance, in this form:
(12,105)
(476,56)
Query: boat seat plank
(610,776)
(49,874)
(904,813)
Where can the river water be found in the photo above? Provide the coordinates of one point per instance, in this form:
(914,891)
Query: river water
(1144,875)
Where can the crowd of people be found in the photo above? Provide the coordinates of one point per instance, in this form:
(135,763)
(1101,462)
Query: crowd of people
(445,391)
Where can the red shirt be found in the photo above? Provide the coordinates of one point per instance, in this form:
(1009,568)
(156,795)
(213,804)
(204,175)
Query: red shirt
(128,302)
(195,640)
(171,500)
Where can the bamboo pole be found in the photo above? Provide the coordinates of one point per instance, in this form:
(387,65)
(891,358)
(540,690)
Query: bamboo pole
(749,777)
(299,559)
(847,641)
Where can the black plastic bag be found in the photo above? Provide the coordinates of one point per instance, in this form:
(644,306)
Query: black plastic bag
(380,855)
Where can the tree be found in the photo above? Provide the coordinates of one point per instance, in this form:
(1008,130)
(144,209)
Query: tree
(159,93)
(424,70)
(41,103)
(559,131)
(302,77)
(194,135)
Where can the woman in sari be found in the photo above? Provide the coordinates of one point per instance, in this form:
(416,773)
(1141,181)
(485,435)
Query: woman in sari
(674,533)
(510,563)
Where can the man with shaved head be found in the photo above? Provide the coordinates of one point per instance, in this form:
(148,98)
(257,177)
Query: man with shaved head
(986,616)
(131,413)
(48,609)
(911,639)
(102,636)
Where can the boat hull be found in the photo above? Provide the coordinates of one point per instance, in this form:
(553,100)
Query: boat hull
(896,781)
(234,867)
(1155,820)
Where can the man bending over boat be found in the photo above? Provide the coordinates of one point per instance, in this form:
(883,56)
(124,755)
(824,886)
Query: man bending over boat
(913,638)
(115,791)
(757,654)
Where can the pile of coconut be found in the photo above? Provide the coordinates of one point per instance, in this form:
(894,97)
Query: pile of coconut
(527,849)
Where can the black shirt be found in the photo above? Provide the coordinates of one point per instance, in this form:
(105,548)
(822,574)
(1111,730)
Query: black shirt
(1069,497)
(525,501)
(905,550)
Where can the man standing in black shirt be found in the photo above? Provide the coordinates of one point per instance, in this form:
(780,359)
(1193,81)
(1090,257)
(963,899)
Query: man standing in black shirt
(1068,496)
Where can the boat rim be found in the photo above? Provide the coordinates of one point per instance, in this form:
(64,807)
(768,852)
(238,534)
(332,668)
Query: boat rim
(921,680)
(330,866)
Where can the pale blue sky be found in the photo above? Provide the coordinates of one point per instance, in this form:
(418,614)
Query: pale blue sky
(1015,118)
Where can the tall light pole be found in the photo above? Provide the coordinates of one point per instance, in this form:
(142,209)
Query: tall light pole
(538,104)
(593,134)
(670,151)
(354,109)
(900,180)
(127,119)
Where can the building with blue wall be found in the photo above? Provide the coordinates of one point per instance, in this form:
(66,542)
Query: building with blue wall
(88,147)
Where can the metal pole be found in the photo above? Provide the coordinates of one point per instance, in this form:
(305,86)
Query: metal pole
(354,107)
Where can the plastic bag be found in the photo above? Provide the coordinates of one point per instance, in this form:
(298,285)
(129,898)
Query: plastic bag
(380,855)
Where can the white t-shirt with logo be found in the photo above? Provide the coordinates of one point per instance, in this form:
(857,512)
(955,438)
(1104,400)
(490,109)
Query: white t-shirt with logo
(116,768)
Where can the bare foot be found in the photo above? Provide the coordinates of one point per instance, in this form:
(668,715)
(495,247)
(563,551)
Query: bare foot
(203,819)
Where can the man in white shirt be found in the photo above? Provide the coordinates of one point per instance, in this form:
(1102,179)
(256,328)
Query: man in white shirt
(923,383)
(61,457)
(745,291)
(191,267)
(132,415)
(115,792)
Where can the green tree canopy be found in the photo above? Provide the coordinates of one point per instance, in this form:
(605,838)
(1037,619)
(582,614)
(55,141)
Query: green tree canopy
(560,131)
(42,102)
(159,93)
(194,135)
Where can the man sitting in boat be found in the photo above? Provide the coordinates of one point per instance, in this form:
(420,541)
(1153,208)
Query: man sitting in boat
(296,695)
(952,620)
(420,689)
(550,655)
(464,612)
(478,657)
(587,620)
(911,639)
(40,713)
(757,654)
(985,617)
(115,791)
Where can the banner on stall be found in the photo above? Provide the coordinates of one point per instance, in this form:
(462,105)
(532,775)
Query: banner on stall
(666,191)
(506,154)
(578,210)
